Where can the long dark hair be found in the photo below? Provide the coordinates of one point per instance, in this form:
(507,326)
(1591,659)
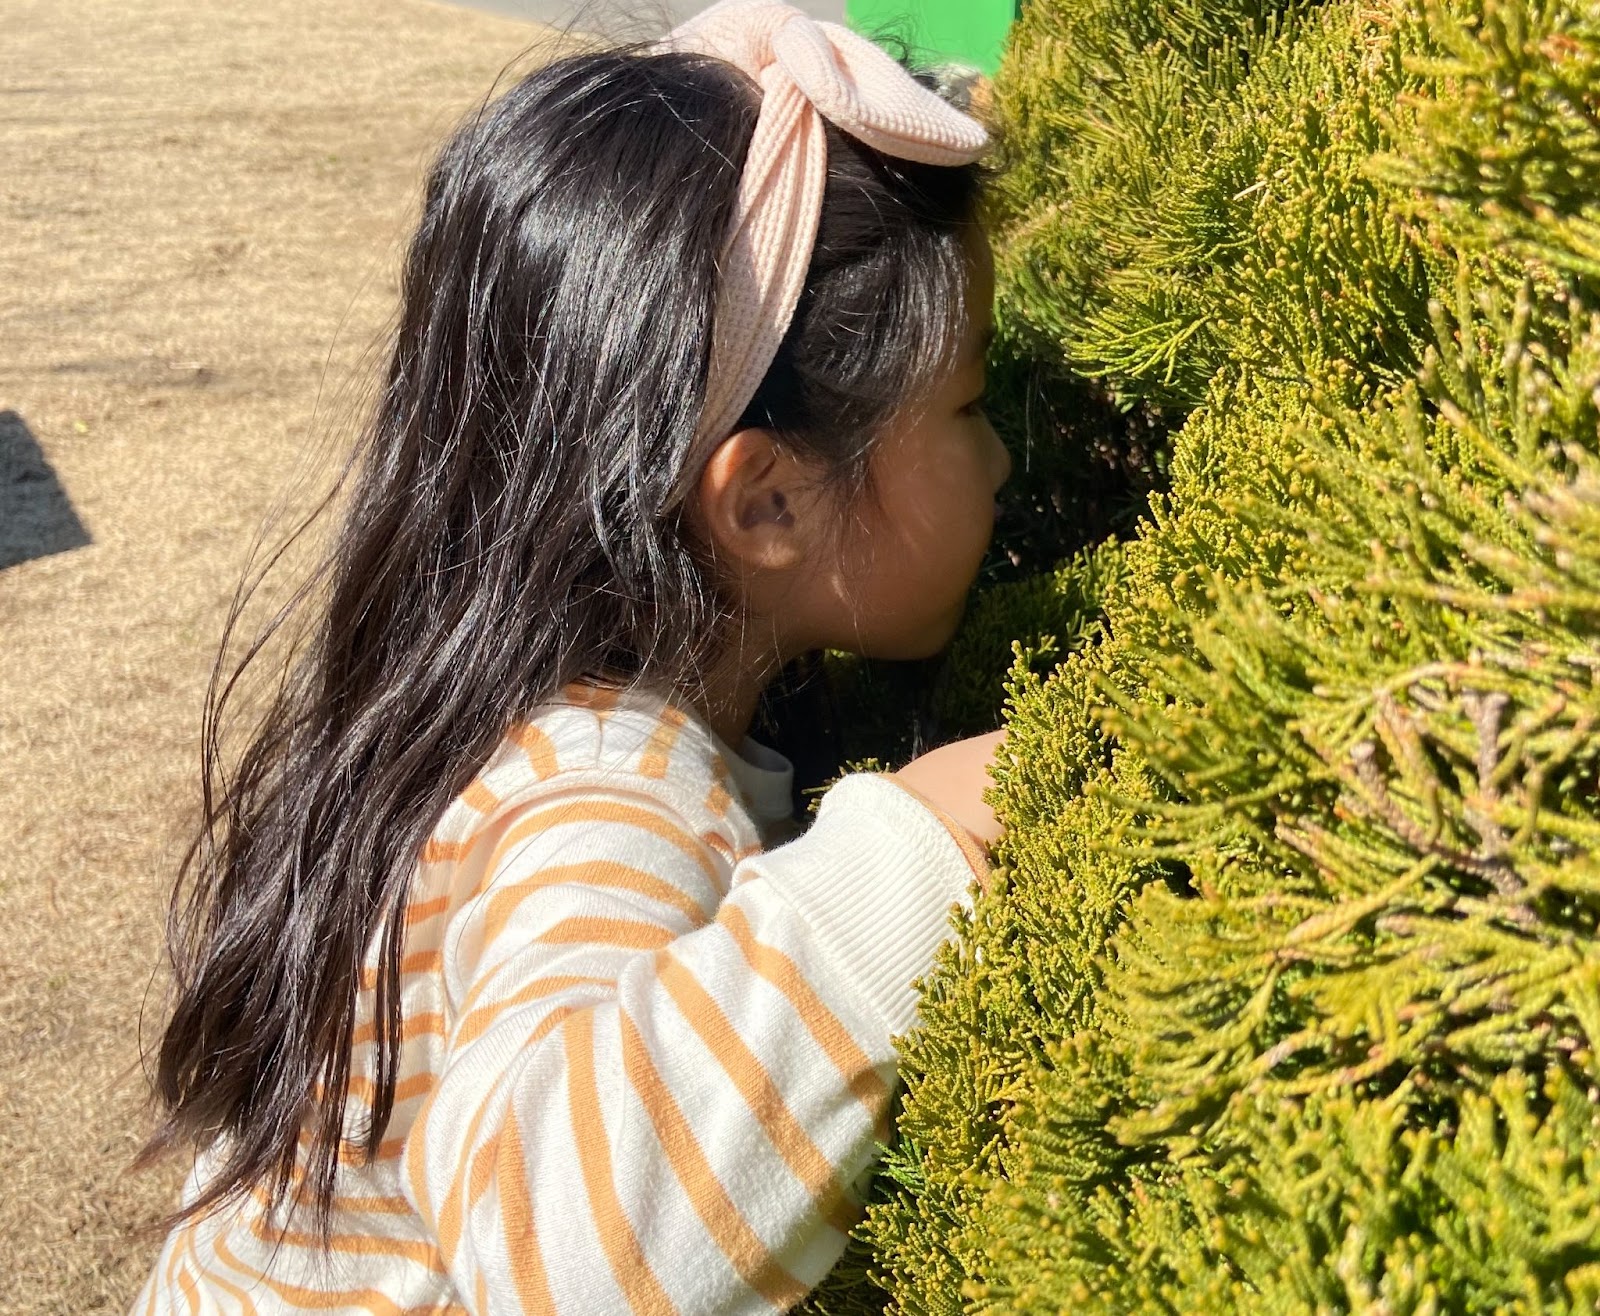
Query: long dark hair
(509,527)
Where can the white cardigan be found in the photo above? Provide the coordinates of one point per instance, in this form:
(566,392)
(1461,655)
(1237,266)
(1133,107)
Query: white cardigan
(645,1058)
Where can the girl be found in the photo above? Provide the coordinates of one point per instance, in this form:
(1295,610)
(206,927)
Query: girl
(495,990)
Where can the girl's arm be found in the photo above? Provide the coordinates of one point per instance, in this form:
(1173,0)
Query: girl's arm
(657,1095)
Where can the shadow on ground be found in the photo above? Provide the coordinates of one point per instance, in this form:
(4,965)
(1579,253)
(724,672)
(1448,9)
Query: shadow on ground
(36,516)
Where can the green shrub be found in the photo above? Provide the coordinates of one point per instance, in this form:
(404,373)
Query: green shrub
(1287,995)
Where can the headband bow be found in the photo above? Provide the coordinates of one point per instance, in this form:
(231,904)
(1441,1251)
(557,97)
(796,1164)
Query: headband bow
(807,71)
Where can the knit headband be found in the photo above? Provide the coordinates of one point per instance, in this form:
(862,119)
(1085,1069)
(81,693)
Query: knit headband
(807,70)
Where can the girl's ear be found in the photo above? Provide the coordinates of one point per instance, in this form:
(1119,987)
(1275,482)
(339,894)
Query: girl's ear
(755,503)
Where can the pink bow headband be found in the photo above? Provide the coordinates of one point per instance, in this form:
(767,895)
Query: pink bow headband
(807,71)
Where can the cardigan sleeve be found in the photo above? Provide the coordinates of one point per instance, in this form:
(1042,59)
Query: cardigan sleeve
(662,1080)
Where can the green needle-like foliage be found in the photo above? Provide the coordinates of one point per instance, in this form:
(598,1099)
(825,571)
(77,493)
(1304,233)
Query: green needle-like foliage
(1286,995)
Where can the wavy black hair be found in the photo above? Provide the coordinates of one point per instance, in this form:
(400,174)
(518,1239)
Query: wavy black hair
(510,523)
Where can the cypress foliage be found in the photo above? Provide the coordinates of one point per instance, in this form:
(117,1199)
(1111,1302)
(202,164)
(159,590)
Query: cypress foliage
(1287,995)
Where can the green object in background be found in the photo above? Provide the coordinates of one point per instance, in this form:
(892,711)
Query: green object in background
(960,31)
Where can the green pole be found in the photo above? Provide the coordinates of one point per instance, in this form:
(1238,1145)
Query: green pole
(969,32)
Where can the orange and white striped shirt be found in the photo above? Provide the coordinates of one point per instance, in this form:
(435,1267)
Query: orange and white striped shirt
(647,1056)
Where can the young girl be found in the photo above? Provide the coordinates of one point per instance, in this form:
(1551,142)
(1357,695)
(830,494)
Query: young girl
(501,985)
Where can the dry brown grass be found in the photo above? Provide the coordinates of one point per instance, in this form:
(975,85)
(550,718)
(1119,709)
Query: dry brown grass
(201,207)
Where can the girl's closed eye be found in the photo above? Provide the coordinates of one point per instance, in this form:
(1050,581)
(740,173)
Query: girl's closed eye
(975,406)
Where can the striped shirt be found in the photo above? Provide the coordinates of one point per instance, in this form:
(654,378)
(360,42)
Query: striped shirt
(647,1046)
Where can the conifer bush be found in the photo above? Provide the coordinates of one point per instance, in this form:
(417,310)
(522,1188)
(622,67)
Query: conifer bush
(1286,995)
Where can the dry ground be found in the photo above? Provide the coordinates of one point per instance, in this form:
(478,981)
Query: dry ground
(202,204)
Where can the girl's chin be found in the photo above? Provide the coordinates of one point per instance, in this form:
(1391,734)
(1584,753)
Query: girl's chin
(891,651)
(949,626)
(927,641)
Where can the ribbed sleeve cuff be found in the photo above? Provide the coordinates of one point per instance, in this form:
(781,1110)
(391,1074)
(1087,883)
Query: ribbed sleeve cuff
(875,878)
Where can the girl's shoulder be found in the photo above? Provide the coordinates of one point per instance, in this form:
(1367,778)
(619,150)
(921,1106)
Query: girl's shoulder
(637,741)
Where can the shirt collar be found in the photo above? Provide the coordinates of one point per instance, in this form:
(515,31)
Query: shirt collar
(765,778)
